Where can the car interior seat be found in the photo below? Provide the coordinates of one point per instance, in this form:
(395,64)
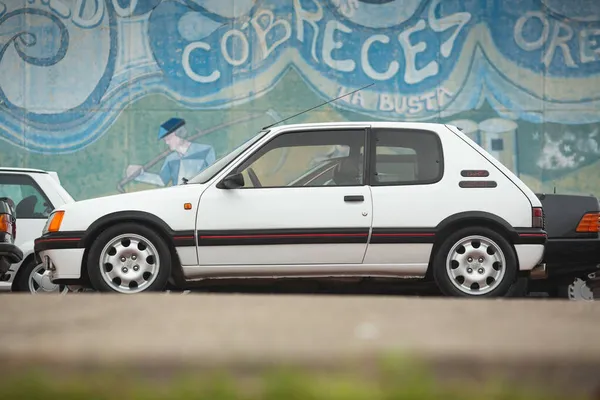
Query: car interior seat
(347,172)
(26,207)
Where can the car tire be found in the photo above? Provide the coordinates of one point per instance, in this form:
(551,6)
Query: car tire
(463,266)
(129,258)
(25,282)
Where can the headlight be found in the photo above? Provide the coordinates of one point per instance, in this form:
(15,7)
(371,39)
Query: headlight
(54,222)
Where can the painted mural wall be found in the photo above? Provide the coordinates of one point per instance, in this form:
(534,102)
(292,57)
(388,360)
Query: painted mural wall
(88,88)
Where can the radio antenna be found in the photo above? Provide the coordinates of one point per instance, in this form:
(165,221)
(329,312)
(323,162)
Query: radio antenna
(320,105)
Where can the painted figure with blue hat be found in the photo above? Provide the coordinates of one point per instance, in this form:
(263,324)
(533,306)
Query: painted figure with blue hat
(186,159)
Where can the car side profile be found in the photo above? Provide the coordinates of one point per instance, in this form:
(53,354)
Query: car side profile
(358,199)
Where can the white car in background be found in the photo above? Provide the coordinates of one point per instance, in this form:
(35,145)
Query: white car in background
(36,193)
(360,199)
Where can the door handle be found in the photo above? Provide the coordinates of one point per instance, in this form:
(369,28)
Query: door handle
(354,198)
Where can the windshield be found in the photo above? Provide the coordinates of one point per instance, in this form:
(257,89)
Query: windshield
(222,162)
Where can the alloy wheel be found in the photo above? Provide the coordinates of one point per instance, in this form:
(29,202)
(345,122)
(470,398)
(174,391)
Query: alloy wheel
(39,282)
(476,265)
(129,263)
(579,289)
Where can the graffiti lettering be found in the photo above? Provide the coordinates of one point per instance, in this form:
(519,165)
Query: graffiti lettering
(93,18)
(430,101)
(355,99)
(589,45)
(188,69)
(458,20)
(311,18)
(364,58)
(412,74)
(271,24)
(244,50)
(557,35)
(330,44)
(423,55)
(537,43)
(336,39)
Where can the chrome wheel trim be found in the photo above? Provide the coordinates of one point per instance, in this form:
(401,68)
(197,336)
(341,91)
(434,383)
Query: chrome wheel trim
(39,283)
(579,290)
(476,265)
(129,263)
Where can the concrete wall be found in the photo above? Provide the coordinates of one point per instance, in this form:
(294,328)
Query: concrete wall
(86,84)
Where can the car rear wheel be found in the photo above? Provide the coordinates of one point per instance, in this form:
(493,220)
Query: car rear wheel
(129,258)
(475,262)
(578,290)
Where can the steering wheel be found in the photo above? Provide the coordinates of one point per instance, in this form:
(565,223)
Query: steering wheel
(253,178)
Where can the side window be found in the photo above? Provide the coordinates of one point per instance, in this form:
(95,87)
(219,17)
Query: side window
(30,203)
(312,158)
(406,157)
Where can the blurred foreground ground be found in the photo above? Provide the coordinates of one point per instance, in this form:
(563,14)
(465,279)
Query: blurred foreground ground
(534,341)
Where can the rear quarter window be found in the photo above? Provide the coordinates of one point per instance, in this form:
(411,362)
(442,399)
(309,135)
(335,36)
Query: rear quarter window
(406,157)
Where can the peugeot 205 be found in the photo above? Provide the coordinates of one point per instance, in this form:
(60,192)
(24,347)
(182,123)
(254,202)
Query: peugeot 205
(318,200)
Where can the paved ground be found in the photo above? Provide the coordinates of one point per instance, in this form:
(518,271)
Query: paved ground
(552,339)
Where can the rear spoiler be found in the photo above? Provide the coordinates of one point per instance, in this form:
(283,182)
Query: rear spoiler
(54,175)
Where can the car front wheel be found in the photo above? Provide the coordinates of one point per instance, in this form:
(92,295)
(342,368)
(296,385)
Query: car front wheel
(475,262)
(129,258)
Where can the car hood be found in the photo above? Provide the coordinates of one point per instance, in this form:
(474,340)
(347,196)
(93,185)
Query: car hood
(166,203)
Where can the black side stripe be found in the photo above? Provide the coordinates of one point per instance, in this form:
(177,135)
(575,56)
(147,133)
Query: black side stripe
(282,236)
(184,239)
(73,240)
(402,235)
(59,241)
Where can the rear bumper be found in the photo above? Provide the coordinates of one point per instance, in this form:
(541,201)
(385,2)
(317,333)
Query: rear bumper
(572,257)
(10,253)
(529,255)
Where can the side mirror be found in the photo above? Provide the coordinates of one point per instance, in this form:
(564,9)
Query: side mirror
(232,181)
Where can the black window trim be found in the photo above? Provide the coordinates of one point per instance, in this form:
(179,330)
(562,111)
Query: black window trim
(364,129)
(372,157)
(35,185)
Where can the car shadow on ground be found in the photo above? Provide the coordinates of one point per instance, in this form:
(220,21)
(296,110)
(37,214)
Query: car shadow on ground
(353,287)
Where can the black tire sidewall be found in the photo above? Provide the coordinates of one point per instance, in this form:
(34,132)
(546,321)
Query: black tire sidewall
(22,278)
(439,263)
(93,264)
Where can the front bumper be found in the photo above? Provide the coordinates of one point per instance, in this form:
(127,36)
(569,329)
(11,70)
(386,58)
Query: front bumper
(61,253)
(572,257)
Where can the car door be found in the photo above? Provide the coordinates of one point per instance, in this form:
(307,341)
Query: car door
(405,167)
(281,216)
(32,207)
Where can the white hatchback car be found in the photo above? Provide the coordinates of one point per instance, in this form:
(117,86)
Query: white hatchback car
(36,193)
(372,199)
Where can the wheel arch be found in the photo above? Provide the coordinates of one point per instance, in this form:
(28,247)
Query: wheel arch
(139,217)
(471,219)
(19,271)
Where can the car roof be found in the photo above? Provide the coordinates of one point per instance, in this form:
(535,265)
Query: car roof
(374,124)
(29,170)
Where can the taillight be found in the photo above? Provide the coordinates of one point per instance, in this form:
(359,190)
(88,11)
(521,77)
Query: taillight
(537,215)
(589,223)
(6,225)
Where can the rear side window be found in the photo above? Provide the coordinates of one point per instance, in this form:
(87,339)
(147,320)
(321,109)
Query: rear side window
(30,201)
(406,157)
